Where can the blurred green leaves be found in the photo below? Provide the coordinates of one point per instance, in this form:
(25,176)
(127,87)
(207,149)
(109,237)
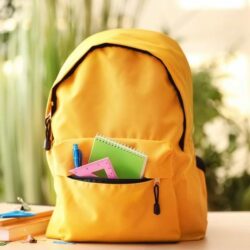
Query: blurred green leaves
(207,99)
(224,192)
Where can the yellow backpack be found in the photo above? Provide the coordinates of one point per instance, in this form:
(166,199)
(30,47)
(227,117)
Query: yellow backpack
(133,86)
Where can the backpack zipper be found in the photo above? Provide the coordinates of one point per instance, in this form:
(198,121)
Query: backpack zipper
(48,134)
(180,99)
(157,209)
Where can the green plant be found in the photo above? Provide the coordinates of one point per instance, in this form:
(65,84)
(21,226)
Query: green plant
(227,192)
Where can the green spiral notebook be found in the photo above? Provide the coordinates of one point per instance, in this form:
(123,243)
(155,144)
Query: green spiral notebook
(128,163)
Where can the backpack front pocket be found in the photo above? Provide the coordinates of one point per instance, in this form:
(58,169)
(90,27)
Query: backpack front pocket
(113,212)
(120,210)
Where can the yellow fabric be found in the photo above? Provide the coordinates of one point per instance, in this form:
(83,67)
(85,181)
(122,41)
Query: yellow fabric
(127,95)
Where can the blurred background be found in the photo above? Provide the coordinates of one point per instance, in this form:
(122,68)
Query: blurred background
(37,36)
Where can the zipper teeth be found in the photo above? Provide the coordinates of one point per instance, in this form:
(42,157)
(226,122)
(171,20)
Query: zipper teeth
(48,132)
(108,181)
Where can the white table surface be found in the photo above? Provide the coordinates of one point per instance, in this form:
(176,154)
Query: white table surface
(226,230)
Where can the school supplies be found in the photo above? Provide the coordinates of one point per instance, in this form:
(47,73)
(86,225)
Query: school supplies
(16,214)
(89,169)
(39,212)
(77,156)
(22,229)
(31,239)
(128,163)
(15,228)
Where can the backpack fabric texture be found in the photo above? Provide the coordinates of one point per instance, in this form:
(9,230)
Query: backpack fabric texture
(134,86)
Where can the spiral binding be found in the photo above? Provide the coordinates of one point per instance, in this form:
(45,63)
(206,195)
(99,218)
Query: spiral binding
(119,145)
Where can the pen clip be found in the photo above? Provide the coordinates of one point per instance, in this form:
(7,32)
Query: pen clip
(25,206)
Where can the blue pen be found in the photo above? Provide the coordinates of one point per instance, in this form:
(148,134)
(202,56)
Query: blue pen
(16,214)
(77,156)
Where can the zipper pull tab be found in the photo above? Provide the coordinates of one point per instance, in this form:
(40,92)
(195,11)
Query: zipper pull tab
(157,209)
(47,141)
